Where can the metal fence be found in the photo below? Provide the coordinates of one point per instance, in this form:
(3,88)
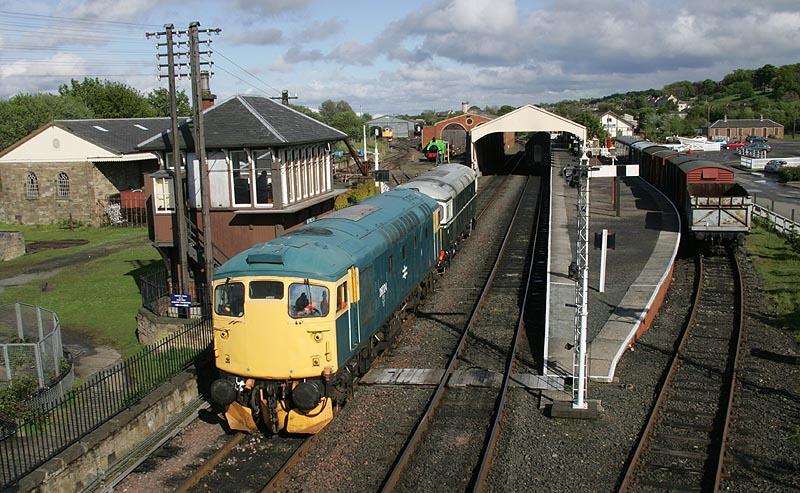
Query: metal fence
(30,344)
(27,444)
(154,288)
(124,211)
(779,223)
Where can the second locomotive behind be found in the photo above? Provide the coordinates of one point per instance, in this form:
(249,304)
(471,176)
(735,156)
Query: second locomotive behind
(298,319)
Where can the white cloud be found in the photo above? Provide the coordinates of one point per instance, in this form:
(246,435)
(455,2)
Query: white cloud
(259,37)
(270,7)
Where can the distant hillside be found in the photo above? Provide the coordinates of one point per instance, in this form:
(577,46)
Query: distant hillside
(773,92)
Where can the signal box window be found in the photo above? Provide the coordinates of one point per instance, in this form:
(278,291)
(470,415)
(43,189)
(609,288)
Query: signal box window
(266,290)
(341,296)
(308,300)
(229,299)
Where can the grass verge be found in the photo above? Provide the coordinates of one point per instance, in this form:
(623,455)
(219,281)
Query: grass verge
(98,299)
(95,236)
(779,267)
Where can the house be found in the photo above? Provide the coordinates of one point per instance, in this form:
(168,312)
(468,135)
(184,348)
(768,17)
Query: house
(269,171)
(75,169)
(615,125)
(738,129)
(401,129)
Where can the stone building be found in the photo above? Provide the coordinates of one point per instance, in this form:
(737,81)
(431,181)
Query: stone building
(735,129)
(74,169)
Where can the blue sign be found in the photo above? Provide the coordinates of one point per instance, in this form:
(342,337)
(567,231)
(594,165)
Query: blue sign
(180,300)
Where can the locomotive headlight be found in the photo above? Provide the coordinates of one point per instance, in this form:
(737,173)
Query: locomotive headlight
(307,395)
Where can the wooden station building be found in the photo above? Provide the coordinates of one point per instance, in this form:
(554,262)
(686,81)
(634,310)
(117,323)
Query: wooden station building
(270,170)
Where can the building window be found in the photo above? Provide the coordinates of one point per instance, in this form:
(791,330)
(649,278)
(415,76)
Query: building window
(162,194)
(32,186)
(263,167)
(240,169)
(62,186)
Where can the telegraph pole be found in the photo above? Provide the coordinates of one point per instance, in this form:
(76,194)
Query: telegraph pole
(180,238)
(284,97)
(200,147)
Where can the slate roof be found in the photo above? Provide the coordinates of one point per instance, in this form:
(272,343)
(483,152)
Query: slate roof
(119,135)
(745,122)
(388,119)
(249,121)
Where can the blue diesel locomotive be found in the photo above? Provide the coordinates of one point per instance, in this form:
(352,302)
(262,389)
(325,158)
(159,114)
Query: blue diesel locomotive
(298,319)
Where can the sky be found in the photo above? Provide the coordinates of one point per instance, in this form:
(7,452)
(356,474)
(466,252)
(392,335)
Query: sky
(390,57)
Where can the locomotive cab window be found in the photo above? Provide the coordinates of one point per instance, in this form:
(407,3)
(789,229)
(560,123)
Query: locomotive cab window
(308,300)
(341,296)
(229,299)
(266,290)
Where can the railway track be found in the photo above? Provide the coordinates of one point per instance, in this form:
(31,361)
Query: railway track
(463,421)
(682,447)
(279,458)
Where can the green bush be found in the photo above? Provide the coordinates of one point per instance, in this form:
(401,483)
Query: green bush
(14,398)
(789,173)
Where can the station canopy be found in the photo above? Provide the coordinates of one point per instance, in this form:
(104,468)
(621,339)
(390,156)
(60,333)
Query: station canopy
(529,118)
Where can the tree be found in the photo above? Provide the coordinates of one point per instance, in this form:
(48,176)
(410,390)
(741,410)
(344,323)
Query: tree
(592,123)
(347,122)
(108,99)
(306,111)
(327,110)
(764,75)
(158,99)
(505,109)
(708,87)
(24,113)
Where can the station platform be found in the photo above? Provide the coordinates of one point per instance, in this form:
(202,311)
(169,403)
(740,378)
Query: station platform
(638,270)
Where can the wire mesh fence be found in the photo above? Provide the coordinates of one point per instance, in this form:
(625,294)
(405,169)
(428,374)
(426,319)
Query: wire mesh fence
(27,443)
(30,344)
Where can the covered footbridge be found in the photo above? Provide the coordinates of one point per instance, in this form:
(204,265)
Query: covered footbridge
(487,139)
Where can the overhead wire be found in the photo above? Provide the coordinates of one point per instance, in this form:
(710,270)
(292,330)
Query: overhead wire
(77,19)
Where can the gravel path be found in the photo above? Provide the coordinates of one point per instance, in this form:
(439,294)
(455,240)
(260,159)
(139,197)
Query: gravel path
(765,437)
(537,453)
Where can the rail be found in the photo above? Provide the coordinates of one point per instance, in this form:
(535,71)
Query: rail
(46,431)
(394,476)
(487,455)
(703,464)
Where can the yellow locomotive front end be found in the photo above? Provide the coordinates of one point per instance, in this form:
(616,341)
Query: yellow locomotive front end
(275,348)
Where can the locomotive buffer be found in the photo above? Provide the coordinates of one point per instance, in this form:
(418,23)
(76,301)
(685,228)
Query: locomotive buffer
(580,407)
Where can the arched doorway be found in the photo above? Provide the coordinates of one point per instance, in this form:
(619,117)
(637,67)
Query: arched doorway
(456,136)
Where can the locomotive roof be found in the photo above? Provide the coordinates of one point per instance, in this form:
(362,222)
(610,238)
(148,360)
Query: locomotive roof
(645,144)
(442,182)
(326,248)
(628,139)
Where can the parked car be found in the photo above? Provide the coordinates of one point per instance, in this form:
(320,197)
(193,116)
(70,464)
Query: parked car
(774,165)
(758,146)
(755,138)
(734,145)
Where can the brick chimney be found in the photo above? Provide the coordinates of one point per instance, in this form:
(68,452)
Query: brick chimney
(464,106)
(205,91)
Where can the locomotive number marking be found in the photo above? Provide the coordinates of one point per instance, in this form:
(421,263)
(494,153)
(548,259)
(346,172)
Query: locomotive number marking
(382,292)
